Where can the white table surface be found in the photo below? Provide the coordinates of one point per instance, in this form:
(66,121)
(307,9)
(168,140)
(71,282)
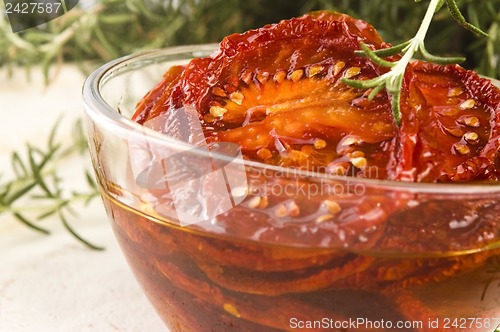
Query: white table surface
(54,283)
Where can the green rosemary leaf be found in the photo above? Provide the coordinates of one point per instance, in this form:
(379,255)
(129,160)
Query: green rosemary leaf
(457,15)
(47,156)
(440,5)
(437,59)
(42,196)
(386,52)
(375,92)
(4,191)
(396,108)
(365,84)
(18,166)
(111,51)
(371,54)
(63,5)
(53,132)
(395,91)
(140,7)
(31,225)
(69,208)
(491,10)
(80,137)
(45,215)
(473,16)
(9,200)
(35,171)
(90,180)
(89,199)
(76,235)
(117,19)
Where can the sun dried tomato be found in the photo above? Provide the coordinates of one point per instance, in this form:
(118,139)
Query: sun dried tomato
(451,126)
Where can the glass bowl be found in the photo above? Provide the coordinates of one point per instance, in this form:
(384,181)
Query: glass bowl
(220,243)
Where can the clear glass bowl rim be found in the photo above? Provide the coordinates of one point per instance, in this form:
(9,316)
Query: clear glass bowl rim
(103,114)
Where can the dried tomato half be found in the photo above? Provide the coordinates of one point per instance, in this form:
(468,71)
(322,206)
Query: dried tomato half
(277,93)
(451,126)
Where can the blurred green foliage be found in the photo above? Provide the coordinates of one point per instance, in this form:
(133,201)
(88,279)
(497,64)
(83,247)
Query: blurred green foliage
(112,28)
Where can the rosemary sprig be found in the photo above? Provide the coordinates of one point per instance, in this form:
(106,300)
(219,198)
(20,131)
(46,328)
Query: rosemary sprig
(393,79)
(36,190)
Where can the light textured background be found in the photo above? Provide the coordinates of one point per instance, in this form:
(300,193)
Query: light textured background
(53,283)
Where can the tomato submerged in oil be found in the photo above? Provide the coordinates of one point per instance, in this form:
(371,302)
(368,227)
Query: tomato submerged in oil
(202,282)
